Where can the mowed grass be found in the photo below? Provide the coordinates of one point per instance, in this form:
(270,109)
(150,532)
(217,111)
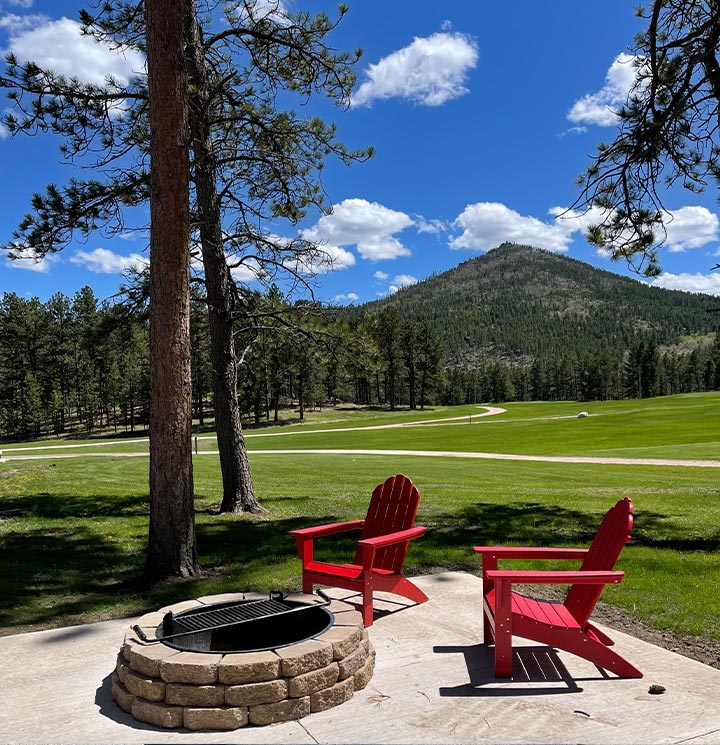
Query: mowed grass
(73,531)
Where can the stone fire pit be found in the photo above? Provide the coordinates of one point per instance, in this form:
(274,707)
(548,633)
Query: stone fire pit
(169,688)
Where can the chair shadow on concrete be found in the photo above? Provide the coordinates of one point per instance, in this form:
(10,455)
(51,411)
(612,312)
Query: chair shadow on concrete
(382,607)
(538,666)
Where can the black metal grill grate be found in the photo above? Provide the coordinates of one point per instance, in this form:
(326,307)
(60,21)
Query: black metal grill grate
(215,618)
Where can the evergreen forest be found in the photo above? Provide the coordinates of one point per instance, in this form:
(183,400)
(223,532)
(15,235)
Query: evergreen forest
(517,323)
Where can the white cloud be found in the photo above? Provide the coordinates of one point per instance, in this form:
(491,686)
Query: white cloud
(430,71)
(27,258)
(382,276)
(20,3)
(402,280)
(601,108)
(430,226)
(350,297)
(488,224)
(405,280)
(58,45)
(368,225)
(691,227)
(707,283)
(104,261)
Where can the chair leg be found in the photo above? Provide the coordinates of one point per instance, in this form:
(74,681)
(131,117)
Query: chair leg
(407,589)
(367,605)
(503,654)
(307,585)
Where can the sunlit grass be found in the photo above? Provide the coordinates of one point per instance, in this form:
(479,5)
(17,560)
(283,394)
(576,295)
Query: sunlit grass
(73,531)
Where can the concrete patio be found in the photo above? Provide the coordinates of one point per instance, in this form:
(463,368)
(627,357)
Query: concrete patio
(433,683)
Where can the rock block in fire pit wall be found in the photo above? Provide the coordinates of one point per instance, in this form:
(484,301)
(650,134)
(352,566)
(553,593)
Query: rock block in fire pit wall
(145,659)
(182,694)
(344,639)
(158,714)
(312,682)
(121,696)
(250,667)
(190,667)
(348,618)
(351,664)
(304,657)
(363,675)
(256,693)
(292,708)
(223,718)
(333,696)
(139,685)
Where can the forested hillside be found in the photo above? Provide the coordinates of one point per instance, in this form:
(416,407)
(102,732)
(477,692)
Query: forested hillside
(515,324)
(518,303)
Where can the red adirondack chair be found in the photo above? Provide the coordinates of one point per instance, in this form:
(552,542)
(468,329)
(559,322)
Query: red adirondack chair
(563,625)
(385,534)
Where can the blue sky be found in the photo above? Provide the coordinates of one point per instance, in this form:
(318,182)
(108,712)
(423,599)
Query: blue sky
(482,116)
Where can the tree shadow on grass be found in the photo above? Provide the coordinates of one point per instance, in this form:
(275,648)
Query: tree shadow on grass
(46,505)
(69,570)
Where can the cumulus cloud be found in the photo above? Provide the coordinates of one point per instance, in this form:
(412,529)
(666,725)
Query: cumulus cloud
(382,276)
(58,45)
(368,225)
(104,261)
(402,280)
(487,224)
(350,297)
(601,108)
(20,3)
(706,283)
(26,257)
(691,227)
(430,71)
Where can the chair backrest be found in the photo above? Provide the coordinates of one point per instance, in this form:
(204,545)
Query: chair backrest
(612,535)
(393,507)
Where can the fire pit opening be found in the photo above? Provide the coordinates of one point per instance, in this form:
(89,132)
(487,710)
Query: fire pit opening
(245,626)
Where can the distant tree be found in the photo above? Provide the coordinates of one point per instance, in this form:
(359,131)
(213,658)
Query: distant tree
(668,131)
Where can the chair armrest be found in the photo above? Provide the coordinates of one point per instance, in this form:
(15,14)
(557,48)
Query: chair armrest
(320,530)
(390,538)
(304,536)
(556,578)
(368,546)
(522,552)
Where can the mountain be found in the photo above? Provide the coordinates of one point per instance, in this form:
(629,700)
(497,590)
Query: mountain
(516,303)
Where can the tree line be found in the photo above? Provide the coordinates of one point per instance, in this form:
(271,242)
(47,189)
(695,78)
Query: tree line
(78,365)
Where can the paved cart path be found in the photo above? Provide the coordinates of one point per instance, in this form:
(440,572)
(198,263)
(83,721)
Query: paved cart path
(10,454)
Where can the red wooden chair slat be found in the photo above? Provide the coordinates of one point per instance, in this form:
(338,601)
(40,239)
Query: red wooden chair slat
(385,535)
(567,625)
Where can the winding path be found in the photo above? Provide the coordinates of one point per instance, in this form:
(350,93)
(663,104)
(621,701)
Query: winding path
(487,411)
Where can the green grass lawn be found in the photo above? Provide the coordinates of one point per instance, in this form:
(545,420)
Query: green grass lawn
(73,531)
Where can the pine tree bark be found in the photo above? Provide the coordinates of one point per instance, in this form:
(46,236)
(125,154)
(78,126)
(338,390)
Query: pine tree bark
(171,546)
(238,491)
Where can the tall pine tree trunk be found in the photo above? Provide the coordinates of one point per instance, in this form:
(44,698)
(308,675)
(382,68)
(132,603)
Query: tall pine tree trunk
(238,491)
(171,546)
